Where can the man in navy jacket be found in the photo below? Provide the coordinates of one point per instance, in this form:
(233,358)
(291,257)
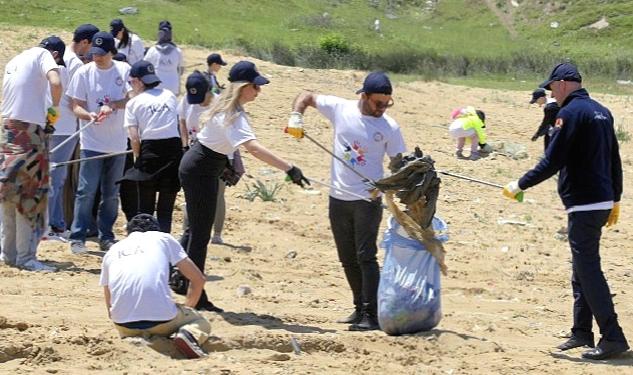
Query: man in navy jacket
(584,149)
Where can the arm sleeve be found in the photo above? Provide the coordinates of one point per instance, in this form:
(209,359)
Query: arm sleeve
(138,48)
(130,117)
(555,154)
(549,118)
(175,252)
(240,132)
(326,104)
(47,62)
(616,169)
(103,279)
(76,87)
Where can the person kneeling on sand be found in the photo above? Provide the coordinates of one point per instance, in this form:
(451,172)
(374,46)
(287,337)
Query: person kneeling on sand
(135,280)
(469,123)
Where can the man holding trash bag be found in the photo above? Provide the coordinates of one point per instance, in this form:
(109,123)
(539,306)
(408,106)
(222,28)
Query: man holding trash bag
(584,149)
(363,134)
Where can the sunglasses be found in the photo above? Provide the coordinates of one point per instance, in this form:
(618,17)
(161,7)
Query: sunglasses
(382,105)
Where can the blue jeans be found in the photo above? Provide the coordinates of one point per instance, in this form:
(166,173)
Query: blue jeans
(58,180)
(92,174)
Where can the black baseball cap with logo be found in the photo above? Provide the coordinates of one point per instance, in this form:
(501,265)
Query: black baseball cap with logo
(245,71)
(215,58)
(55,44)
(144,70)
(85,32)
(197,86)
(102,43)
(376,83)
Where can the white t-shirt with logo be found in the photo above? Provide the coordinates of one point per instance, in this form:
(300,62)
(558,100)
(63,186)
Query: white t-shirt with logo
(136,270)
(134,50)
(154,113)
(24,86)
(191,114)
(67,122)
(167,67)
(362,141)
(98,87)
(225,139)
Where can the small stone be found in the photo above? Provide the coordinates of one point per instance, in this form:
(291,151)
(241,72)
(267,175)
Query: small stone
(227,259)
(291,255)
(279,357)
(244,290)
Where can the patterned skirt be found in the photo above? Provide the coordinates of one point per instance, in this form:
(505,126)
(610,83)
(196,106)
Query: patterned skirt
(24,169)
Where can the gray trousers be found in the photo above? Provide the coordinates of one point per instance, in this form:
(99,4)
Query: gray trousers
(19,239)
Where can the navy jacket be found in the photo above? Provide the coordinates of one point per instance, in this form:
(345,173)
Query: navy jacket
(585,150)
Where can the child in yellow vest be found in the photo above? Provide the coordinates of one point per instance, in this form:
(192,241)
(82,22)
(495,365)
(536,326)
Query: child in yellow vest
(469,123)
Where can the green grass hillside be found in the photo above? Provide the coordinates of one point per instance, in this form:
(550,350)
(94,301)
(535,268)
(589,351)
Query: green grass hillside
(471,39)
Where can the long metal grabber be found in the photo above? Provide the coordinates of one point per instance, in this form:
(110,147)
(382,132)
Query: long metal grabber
(104,156)
(365,179)
(342,190)
(72,136)
(519,197)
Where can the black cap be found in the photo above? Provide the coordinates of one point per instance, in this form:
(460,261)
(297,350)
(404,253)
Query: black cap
(143,223)
(246,71)
(537,94)
(119,56)
(85,32)
(144,70)
(562,72)
(164,25)
(102,43)
(53,43)
(115,26)
(197,86)
(376,83)
(215,58)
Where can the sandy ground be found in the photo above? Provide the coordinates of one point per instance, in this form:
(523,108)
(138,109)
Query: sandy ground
(506,299)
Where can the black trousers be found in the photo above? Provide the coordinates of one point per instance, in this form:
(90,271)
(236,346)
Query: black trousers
(199,171)
(128,191)
(164,206)
(355,227)
(592,297)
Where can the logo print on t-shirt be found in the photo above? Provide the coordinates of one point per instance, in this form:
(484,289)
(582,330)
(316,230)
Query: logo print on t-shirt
(104,101)
(119,81)
(378,137)
(354,154)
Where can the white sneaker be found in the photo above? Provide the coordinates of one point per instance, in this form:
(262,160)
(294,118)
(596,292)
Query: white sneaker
(188,345)
(51,235)
(217,240)
(37,266)
(78,247)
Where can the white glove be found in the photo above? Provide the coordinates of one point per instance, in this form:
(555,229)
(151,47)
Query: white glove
(295,125)
(513,191)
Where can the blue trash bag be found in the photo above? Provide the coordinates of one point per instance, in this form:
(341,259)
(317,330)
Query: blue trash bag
(409,289)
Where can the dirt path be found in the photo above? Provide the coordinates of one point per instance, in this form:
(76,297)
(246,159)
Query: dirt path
(504,18)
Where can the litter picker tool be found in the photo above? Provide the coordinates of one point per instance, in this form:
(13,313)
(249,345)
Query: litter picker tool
(365,179)
(519,197)
(341,190)
(82,128)
(104,156)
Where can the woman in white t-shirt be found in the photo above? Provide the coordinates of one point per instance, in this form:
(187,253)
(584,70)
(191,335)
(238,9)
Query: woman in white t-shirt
(152,123)
(128,43)
(167,58)
(227,129)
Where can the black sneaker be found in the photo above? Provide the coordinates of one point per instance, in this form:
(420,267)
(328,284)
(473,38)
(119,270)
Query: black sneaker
(105,245)
(575,342)
(367,322)
(208,306)
(187,345)
(353,318)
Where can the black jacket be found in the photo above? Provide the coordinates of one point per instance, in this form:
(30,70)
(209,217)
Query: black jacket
(585,150)
(550,112)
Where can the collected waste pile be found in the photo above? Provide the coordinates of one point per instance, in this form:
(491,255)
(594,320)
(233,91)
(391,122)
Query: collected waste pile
(409,290)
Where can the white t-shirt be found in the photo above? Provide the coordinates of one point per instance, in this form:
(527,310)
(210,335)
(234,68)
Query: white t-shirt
(97,87)
(67,122)
(24,86)
(360,140)
(134,50)
(73,62)
(154,113)
(226,139)
(191,114)
(167,67)
(136,270)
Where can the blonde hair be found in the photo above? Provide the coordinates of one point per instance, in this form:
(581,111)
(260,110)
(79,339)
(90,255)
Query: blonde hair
(227,103)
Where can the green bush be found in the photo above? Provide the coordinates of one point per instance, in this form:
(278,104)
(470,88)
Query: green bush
(334,44)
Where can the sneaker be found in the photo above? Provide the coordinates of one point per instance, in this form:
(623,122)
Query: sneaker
(187,345)
(105,245)
(459,154)
(217,240)
(37,266)
(208,306)
(474,156)
(78,247)
(367,322)
(53,235)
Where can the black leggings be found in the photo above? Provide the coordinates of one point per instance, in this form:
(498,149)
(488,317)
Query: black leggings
(164,207)
(199,171)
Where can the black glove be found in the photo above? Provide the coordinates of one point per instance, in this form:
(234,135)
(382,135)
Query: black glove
(296,176)
(534,137)
(177,282)
(49,129)
(230,176)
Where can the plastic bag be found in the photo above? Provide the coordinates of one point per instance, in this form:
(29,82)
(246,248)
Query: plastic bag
(409,290)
